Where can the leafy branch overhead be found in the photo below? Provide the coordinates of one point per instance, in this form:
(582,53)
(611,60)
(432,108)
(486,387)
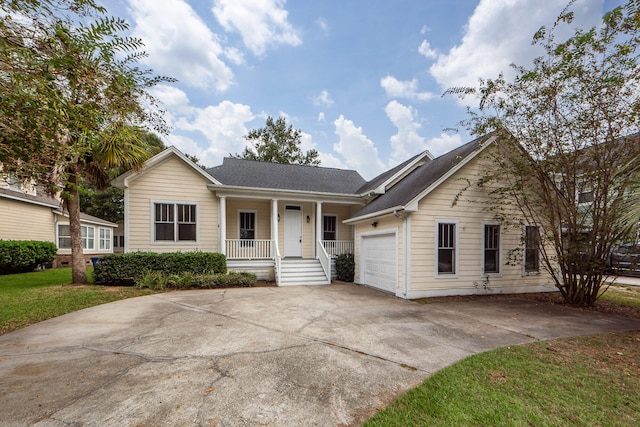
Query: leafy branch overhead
(569,155)
(277,143)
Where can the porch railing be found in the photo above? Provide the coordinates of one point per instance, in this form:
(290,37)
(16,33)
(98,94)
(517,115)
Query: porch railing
(248,249)
(324,259)
(337,247)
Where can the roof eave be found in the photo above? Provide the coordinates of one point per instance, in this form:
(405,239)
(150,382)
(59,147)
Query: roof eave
(270,193)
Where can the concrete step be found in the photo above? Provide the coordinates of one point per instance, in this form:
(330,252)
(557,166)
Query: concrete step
(303,272)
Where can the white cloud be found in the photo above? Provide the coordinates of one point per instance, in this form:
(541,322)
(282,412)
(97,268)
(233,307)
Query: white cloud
(323,25)
(424,29)
(179,43)
(498,34)
(260,23)
(443,143)
(323,99)
(327,160)
(358,151)
(426,50)
(222,125)
(321,117)
(403,89)
(406,142)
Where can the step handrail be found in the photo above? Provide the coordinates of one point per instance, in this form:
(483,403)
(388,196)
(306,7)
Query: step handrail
(324,259)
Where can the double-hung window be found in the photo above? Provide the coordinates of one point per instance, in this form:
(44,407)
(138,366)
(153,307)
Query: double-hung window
(175,222)
(491,249)
(446,251)
(105,238)
(531,253)
(64,236)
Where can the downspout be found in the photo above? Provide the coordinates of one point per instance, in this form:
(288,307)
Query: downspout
(405,253)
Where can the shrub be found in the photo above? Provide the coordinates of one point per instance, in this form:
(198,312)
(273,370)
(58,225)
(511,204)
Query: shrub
(127,269)
(345,267)
(19,256)
(158,281)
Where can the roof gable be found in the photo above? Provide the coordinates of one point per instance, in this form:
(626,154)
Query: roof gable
(123,180)
(382,182)
(277,176)
(423,179)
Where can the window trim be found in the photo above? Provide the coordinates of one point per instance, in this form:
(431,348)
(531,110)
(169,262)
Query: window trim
(498,273)
(456,248)
(101,239)
(85,226)
(524,252)
(175,241)
(336,226)
(255,222)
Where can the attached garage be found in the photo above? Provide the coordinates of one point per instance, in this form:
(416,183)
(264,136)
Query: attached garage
(379,267)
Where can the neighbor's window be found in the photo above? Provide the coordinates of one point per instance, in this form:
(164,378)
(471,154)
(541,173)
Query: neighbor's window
(446,248)
(88,237)
(64,236)
(329,227)
(491,255)
(105,238)
(531,253)
(175,222)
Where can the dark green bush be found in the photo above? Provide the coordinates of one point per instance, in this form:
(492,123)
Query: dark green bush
(159,281)
(19,256)
(345,267)
(126,269)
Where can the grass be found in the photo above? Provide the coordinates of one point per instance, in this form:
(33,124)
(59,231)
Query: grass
(576,381)
(29,298)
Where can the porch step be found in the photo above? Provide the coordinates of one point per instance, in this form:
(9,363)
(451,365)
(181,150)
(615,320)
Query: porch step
(302,272)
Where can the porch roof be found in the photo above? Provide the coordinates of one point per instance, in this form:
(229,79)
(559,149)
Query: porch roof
(277,176)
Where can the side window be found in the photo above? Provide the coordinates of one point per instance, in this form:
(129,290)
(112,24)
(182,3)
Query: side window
(64,236)
(531,253)
(164,226)
(491,250)
(88,237)
(329,227)
(247,225)
(446,254)
(175,222)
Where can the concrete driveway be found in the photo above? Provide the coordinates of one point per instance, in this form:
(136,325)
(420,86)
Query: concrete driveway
(304,356)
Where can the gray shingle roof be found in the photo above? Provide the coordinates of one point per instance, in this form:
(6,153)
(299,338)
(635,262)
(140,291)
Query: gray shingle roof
(421,178)
(378,180)
(277,176)
(38,199)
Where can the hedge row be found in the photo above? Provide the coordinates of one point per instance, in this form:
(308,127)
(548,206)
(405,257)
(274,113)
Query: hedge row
(159,281)
(126,269)
(19,256)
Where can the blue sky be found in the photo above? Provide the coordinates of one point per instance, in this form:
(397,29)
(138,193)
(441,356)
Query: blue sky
(362,79)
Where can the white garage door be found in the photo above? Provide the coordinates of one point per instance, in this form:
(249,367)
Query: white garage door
(379,259)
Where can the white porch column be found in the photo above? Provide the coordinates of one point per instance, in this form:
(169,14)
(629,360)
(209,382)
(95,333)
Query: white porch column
(274,224)
(318,225)
(222,220)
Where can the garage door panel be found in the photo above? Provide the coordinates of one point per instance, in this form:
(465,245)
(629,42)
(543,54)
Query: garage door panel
(380,261)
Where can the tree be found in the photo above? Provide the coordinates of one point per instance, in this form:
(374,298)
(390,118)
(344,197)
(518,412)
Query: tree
(277,143)
(73,100)
(569,160)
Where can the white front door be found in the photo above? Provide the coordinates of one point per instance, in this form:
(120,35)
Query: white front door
(292,231)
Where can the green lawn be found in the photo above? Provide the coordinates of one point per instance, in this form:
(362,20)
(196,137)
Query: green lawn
(33,297)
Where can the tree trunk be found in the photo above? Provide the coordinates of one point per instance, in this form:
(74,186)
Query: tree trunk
(72,203)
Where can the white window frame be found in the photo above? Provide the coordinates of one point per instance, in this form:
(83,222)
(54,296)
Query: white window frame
(85,237)
(336,220)
(524,252)
(175,240)
(500,251)
(58,236)
(255,222)
(456,248)
(104,241)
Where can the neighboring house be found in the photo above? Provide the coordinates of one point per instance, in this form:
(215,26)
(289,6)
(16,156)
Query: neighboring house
(286,222)
(28,215)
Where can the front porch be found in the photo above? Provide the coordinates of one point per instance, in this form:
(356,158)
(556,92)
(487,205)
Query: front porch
(290,242)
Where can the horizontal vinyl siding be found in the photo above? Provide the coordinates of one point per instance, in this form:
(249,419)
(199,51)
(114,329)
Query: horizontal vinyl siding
(175,182)
(470,216)
(262,208)
(389,223)
(26,221)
